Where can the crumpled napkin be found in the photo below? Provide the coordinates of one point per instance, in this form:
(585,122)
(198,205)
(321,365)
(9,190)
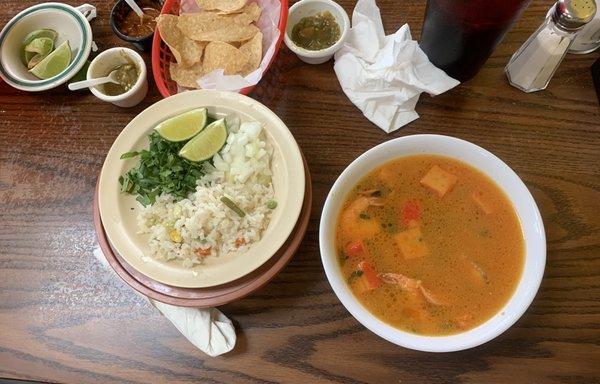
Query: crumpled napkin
(207,329)
(384,75)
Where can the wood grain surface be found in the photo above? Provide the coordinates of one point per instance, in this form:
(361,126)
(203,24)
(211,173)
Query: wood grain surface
(63,318)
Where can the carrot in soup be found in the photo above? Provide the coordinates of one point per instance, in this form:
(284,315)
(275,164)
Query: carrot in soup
(366,278)
(370,274)
(411,213)
(355,249)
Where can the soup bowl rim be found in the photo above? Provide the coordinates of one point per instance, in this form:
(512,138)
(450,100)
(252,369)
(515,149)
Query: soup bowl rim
(482,160)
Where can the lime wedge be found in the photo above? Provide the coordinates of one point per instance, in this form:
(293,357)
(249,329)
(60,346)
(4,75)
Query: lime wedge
(41,45)
(54,63)
(34,60)
(40,48)
(204,145)
(48,33)
(183,127)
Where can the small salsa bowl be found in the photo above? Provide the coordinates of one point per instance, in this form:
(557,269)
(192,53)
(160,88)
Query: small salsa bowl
(525,207)
(307,8)
(118,13)
(71,23)
(107,60)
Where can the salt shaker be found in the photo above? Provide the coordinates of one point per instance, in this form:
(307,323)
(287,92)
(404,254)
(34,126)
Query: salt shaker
(532,66)
(588,39)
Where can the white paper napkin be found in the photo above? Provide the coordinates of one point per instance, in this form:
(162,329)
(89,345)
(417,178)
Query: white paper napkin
(384,75)
(207,329)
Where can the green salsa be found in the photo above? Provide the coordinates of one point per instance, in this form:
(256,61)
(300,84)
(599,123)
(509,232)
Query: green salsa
(127,75)
(316,32)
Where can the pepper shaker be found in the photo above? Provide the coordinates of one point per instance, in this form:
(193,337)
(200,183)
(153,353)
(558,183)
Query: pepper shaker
(532,66)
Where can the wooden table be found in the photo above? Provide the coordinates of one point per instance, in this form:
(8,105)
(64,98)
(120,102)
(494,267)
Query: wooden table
(63,318)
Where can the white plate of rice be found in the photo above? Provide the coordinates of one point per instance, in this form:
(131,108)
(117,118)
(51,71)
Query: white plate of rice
(260,162)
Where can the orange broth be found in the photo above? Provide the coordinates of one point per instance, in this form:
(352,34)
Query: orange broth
(430,245)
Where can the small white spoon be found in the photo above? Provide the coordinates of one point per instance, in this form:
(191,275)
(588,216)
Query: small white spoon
(111,78)
(136,8)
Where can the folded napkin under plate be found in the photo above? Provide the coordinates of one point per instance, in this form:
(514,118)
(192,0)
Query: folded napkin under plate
(208,329)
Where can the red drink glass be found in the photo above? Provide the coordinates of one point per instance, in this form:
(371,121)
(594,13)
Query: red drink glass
(459,35)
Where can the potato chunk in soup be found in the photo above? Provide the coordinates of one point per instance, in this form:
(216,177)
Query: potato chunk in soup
(430,245)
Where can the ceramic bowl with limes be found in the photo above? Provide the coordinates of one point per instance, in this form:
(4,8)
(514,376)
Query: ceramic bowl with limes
(69,30)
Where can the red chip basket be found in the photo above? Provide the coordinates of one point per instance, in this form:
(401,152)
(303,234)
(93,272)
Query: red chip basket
(162,56)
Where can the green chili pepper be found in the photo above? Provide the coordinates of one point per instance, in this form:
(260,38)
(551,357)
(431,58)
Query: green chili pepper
(233,206)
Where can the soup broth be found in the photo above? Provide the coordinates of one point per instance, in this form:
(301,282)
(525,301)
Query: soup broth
(430,245)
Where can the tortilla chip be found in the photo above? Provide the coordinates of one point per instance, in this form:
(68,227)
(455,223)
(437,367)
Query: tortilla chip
(253,49)
(252,12)
(187,52)
(219,55)
(227,34)
(186,77)
(207,26)
(224,6)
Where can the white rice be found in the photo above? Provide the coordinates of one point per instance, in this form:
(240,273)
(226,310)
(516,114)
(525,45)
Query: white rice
(242,172)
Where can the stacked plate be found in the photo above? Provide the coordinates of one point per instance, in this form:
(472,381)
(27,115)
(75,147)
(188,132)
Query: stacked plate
(219,280)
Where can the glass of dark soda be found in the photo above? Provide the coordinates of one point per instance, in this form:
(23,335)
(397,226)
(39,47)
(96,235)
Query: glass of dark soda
(458,36)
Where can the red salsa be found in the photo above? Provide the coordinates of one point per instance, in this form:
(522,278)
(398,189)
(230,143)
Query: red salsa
(134,26)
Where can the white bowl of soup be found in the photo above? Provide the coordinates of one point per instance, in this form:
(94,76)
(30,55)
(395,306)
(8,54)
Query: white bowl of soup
(432,243)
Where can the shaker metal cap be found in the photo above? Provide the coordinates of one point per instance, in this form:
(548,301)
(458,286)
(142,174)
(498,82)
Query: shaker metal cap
(573,14)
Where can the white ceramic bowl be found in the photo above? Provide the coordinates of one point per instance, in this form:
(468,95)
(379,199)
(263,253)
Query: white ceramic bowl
(506,178)
(109,59)
(71,25)
(306,8)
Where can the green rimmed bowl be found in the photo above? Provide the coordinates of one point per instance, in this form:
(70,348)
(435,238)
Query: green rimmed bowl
(71,23)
